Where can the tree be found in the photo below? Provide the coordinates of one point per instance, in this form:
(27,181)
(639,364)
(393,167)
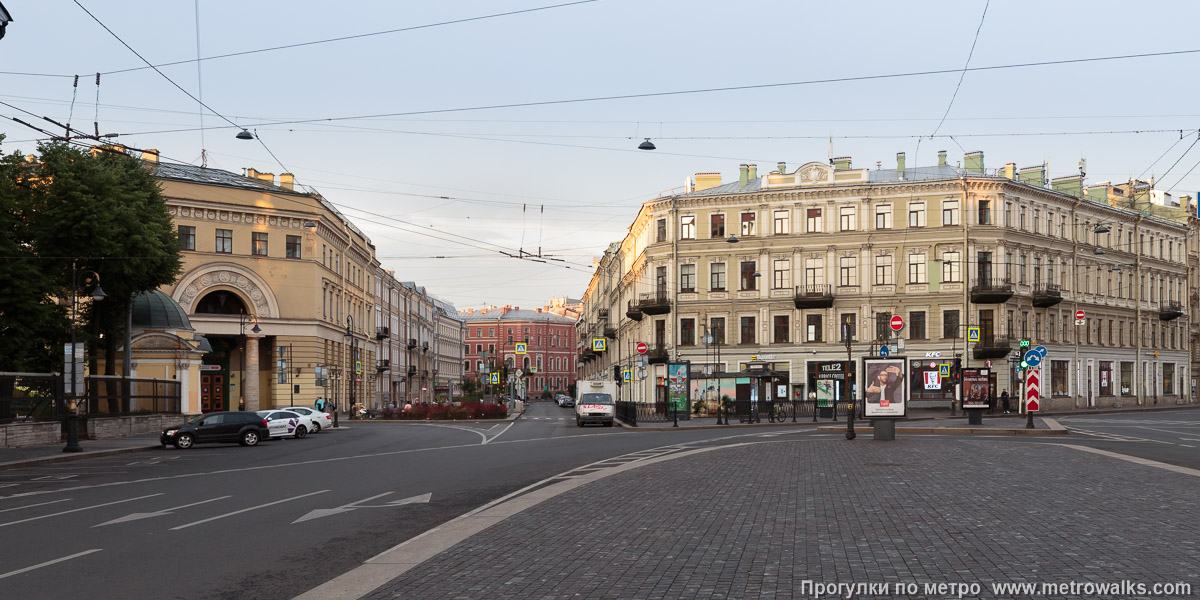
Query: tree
(100,209)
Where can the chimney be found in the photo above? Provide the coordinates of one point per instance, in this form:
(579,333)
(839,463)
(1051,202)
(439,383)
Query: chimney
(941,158)
(705,181)
(267,177)
(504,310)
(1035,176)
(252,173)
(287,181)
(539,310)
(516,308)
(150,156)
(743,174)
(1010,171)
(753,172)
(841,163)
(974,162)
(900,164)
(782,168)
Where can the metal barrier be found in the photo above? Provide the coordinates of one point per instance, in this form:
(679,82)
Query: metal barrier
(635,413)
(742,411)
(31,397)
(112,396)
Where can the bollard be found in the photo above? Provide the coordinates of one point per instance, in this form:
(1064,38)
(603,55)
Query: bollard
(885,429)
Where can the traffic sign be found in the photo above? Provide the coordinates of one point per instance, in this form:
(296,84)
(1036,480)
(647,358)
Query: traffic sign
(627,374)
(884,350)
(987,363)
(1033,390)
(1079,314)
(519,348)
(598,345)
(943,370)
(642,347)
(495,378)
(897,322)
(1042,351)
(1033,358)
(973,333)
(533,369)
(519,373)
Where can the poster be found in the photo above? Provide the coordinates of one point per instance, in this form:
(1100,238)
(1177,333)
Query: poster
(933,380)
(884,388)
(975,388)
(677,387)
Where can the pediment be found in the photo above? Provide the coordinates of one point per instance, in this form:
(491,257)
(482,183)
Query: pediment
(814,173)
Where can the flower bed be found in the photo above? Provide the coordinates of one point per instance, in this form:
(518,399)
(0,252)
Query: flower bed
(447,412)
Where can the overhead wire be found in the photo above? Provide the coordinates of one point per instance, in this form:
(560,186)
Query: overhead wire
(964,71)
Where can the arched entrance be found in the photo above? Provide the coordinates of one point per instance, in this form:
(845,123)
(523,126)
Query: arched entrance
(215,392)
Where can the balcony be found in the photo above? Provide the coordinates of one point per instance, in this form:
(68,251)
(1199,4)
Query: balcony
(412,370)
(425,346)
(814,296)
(383,365)
(610,333)
(425,374)
(634,312)
(997,346)
(1046,295)
(654,303)
(381,333)
(602,313)
(657,354)
(412,343)
(1169,311)
(991,291)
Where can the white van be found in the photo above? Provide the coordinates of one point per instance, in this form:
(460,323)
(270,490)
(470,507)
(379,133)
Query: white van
(594,402)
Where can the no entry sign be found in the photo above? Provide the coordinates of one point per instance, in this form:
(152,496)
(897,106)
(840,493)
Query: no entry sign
(897,322)
(642,348)
(1079,314)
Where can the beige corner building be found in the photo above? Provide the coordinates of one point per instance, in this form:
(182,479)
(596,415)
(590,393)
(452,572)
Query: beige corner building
(755,284)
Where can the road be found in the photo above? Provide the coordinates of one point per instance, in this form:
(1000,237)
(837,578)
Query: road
(279,519)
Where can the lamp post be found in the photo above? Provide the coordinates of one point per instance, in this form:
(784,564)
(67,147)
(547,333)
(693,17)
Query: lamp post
(849,396)
(354,371)
(243,319)
(72,401)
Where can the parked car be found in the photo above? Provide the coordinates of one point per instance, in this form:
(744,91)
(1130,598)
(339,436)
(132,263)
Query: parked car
(245,428)
(320,419)
(285,423)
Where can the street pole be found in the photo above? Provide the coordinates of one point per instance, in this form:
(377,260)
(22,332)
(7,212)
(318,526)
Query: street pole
(72,402)
(849,396)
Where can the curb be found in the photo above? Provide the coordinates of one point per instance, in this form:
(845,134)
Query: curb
(953,430)
(72,456)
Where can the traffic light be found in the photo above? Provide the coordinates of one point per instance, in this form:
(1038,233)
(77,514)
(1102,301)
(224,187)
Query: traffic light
(1024,365)
(617,374)
(1025,344)
(957,370)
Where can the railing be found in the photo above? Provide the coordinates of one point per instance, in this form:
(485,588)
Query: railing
(817,290)
(412,342)
(110,395)
(741,411)
(1047,289)
(658,298)
(412,371)
(31,397)
(383,365)
(992,285)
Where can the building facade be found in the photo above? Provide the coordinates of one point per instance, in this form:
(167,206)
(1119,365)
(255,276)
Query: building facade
(774,271)
(491,346)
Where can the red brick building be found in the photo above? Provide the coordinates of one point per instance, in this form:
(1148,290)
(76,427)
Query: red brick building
(492,337)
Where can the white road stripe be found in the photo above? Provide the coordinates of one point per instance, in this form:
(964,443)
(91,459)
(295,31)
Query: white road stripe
(238,512)
(33,505)
(498,434)
(1137,460)
(78,509)
(49,562)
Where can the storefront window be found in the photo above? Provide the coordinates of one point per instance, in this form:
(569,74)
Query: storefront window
(1126,378)
(1106,378)
(1168,379)
(1060,384)
(826,381)
(926,383)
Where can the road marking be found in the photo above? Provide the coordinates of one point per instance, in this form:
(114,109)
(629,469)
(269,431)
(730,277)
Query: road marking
(33,505)
(486,439)
(1137,460)
(53,477)
(49,562)
(325,512)
(159,513)
(78,509)
(238,512)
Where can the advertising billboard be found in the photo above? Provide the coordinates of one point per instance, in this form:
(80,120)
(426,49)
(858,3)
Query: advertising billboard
(885,388)
(975,388)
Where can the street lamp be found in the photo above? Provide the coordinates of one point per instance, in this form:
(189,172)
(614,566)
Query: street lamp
(72,401)
(243,319)
(354,371)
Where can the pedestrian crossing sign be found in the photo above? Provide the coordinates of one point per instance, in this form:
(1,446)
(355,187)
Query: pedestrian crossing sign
(495,378)
(973,334)
(533,369)
(598,345)
(520,348)
(627,374)
(944,370)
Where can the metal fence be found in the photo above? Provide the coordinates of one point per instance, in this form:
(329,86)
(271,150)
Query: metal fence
(40,396)
(743,411)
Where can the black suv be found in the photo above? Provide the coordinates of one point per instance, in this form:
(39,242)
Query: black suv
(245,428)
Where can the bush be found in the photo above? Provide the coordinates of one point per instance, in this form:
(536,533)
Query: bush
(451,411)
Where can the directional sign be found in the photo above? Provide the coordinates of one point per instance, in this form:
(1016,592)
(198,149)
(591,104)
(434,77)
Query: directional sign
(884,350)
(1033,358)
(519,348)
(495,378)
(325,512)
(973,334)
(1033,390)
(598,345)
(642,348)
(1079,314)
(157,513)
(897,322)
(1042,351)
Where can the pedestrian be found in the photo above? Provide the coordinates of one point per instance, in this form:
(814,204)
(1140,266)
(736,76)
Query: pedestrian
(1004,401)
(320,404)
(241,404)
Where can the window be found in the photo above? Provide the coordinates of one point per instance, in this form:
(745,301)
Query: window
(478,348)
(847,271)
(846,219)
(1021,218)
(1021,269)
(747,223)
(814,272)
(813,328)
(1168,379)
(225,241)
(916,325)
(687,227)
(780,275)
(687,278)
(985,212)
(950,212)
(1059,378)
(717,280)
(187,237)
(916,269)
(883,326)
(883,216)
(717,329)
(781,223)
(814,223)
(1126,378)
(749,281)
(661,230)
(951,269)
(747,330)
(259,243)
(916,214)
(883,270)
(848,325)
(716,226)
(781,329)
(1008,214)
(687,332)
(491,331)
(949,324)
(293,246)
(1037,218)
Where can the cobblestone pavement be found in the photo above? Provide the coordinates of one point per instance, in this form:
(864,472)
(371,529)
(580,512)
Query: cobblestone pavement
(757,521)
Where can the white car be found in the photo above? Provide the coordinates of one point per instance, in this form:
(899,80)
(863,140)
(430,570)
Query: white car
(320,420)
(285,423)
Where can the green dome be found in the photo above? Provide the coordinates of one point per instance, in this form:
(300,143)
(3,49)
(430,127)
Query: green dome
(156,310)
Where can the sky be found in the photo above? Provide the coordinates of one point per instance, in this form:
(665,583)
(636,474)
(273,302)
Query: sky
(444,193)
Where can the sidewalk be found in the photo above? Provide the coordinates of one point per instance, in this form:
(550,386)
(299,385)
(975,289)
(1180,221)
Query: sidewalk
(35,455)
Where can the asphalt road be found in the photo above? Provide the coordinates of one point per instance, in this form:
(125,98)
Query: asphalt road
(279,519)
